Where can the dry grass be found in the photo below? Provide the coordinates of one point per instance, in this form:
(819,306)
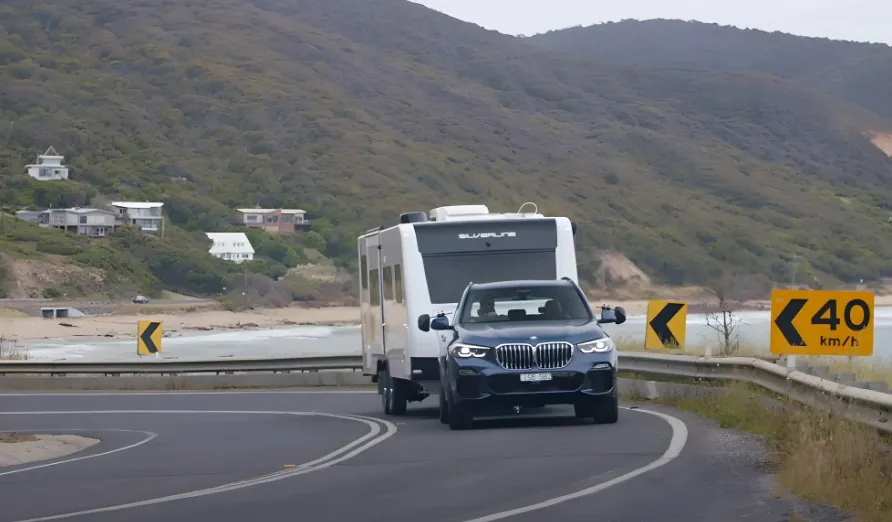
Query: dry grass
(12,351)
(10,438)
(818,456)
(11,312)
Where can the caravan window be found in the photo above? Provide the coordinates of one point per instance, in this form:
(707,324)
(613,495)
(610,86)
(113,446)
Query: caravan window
(448,274)
(364,271)
(388,284)
(374,296)
(398,282)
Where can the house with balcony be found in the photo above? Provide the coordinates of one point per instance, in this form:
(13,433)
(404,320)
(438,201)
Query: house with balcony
(143,214)
(231,246)
(91,222)
(48,167)
(274,220)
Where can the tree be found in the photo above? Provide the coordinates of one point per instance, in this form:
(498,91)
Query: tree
(726,320)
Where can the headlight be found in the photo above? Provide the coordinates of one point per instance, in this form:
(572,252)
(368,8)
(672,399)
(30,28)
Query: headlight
(464,351)
(597,346)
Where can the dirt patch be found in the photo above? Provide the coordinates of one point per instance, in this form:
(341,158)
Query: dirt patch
(883,141)
(19,448)
(617,270)
(31,278)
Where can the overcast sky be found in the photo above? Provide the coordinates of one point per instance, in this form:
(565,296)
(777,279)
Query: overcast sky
(859,20)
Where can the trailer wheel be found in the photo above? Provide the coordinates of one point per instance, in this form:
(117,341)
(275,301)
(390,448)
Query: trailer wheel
(384,389)
(399,392)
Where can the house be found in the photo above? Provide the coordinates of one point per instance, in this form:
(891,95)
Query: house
(91,222)
(231,246)
(33,216)
(273,220)
(145,215)
(48,167)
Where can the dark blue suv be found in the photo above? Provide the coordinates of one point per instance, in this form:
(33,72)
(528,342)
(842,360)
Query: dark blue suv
(525,344)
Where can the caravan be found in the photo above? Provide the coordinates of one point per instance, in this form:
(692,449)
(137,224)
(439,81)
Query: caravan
(423,264)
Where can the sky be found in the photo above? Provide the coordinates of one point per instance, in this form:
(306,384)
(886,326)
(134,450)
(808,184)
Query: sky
(857,20)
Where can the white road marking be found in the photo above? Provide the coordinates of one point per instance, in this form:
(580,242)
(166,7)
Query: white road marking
(149,437)
(348,451)
(676,444)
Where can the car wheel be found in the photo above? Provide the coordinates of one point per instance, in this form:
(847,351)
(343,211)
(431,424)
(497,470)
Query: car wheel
(606,409)
(459,418)
(444,408)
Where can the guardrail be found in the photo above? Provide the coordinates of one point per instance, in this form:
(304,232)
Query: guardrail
(178,367)
(864,405)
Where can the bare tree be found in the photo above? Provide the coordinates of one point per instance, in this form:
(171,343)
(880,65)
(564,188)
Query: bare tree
(725,320)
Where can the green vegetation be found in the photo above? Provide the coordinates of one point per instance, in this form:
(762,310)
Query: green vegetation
(357,111)
(857,72)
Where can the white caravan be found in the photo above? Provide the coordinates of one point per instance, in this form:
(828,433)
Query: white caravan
(423,264)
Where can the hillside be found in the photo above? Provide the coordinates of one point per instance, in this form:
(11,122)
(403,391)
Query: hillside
(356,110)
(860,73)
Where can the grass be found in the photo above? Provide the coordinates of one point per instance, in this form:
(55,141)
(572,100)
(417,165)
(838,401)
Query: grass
(10,438)
(818,456)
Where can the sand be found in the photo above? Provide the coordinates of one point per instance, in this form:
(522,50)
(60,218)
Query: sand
(16,449)
(123,326)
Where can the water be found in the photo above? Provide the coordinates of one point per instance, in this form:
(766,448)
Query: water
(310,341)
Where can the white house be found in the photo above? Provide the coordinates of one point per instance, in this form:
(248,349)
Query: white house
(48,167)
(231,246)
(145,215)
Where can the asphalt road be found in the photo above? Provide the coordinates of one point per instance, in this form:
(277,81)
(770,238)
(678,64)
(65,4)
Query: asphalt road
(228,457)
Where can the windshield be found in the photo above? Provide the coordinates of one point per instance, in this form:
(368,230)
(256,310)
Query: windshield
(532,303)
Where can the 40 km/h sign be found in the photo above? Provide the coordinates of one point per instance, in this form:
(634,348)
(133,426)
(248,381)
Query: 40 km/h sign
(821,322)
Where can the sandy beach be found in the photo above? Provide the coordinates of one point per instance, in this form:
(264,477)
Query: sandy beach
(123,326)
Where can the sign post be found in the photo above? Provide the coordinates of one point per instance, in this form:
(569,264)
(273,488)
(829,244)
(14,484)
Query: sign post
(148,337)
(821,322)
(666,325)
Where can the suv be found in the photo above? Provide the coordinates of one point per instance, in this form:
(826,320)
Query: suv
(525,344)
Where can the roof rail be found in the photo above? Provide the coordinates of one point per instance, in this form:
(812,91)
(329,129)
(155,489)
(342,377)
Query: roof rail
(369,231)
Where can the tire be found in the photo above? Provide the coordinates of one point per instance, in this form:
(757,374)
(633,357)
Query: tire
(458,417)
(606,409)
(399,396)
(384,390)
(444,408)
(602,410)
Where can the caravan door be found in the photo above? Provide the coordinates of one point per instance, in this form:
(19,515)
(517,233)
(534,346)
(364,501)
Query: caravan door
(373,348)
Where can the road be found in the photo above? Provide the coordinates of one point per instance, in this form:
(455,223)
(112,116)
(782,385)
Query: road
(226,456)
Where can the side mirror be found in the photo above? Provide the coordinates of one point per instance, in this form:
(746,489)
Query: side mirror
(441,322)
(620,314)
(424,322)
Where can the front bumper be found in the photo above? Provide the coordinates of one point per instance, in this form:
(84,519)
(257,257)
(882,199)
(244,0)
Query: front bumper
(482,384)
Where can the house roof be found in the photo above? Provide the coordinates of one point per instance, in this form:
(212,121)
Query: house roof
(137,204)
(80,210)
(270,210)
(225,242)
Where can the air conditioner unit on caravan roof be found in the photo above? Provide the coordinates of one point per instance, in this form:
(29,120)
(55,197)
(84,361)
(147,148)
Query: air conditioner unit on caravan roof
(475,212)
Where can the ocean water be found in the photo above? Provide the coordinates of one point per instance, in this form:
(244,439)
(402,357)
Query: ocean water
(310,341)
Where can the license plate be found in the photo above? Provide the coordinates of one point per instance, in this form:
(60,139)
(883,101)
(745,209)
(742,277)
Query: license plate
(535,377)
